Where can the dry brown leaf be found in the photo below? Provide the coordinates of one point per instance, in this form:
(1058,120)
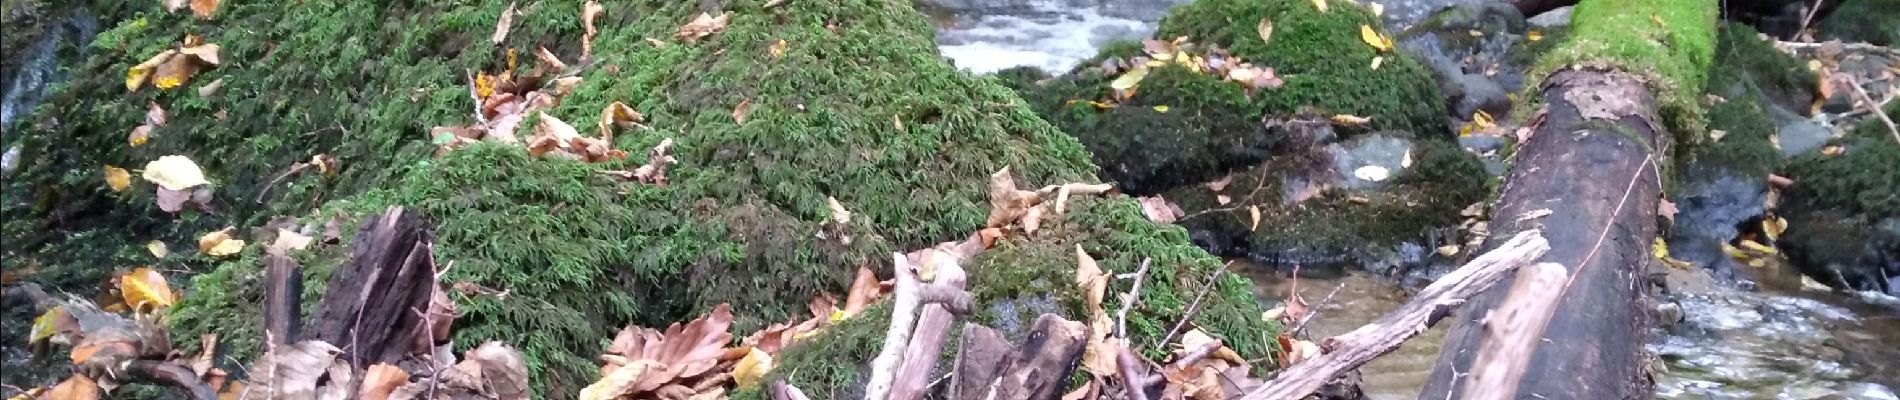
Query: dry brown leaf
(504,373)
(1090,277)
(288,241)
(1349,119)
(139,135)
(175,173)
(551,134)
(681,352)
(76,387)
(1089,391)
(56,325)
(1666,209)
(381,380)
(204,8)
(1008,204)
(617,114)
(838,213)
(1253,213)
(503,24)
(1157,209)
(146,290)
(207,349)
(1032,219)
(739,112)
(702,26)
(589,12)
(864,290)
(1265,29)
(549,60)
(292,370)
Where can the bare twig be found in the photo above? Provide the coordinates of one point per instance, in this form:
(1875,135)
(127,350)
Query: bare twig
(1301,326)
(1134,296)
(1513,330)
(294,168)
(1861,94)
(1860,47)
(1809,18)
(1132,377)
(1194,307)
(1195,355)
(1351,350)
(428,325)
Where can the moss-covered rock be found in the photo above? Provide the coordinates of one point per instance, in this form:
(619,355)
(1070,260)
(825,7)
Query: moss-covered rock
(1186,126)
(1721,186)
(858,107)
(1871,21)
(1844,214)
(1668,43)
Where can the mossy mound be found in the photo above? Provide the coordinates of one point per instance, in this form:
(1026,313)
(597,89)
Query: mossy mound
(1843,212)
(1023,277)
(1871,21)
(1670,44)
(1184,126)
(858,106)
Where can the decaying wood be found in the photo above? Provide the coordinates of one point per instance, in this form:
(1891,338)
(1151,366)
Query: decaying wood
(169,374)
(390,280)
(1134,379)
(1601,124)
(987,368)
(933,326)
(1513,331)
(903,315)
(1350,350)
(283,289)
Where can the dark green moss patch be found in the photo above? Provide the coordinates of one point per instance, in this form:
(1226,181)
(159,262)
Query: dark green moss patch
(1843,214)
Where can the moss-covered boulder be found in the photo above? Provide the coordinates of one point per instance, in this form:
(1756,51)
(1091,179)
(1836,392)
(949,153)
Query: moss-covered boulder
(847,100)
(1188,125)
(1871,21)
(1843,212)
(1476,71)
(1719,188)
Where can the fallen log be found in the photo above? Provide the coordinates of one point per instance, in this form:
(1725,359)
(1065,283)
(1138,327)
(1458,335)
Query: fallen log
(1514,330)
(1350,350)
(1591,163)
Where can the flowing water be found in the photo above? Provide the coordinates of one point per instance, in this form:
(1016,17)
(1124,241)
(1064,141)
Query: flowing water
(1783,341)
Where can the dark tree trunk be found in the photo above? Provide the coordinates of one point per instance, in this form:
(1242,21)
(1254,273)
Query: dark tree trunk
(1592,162)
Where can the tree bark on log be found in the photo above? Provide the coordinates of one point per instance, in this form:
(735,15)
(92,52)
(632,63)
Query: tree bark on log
(374,305)
(283,292)
(1593,163)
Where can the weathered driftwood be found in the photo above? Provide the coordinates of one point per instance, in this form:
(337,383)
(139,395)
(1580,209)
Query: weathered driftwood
(1353,349)
(373,307)
(987,367)
(1600,124)
(904,302)
(933,326)
(1513,331)
(283,289)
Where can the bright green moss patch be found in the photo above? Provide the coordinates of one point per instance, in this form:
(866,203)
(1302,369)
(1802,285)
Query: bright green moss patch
(1671,43)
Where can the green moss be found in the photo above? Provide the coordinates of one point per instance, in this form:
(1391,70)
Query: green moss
(1670,43)
(833,363)
(859,108)
(1425,196)
(1843,216)
(1747,73)
(1871,21)
(1183,127)
(1321,58)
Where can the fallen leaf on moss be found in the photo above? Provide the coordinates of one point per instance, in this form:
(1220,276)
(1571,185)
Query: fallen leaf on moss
(589,12)
(1480,121)
(1156,209)
(1349,119)
(175,5)
(1265,29)
(1320,4)
(381,380)
(146,290)
(1378,10)
(549,60)
(702,26)
(1833,150)
(654,360)
(1373,38)
(838,213)
(503,24)
(1372,173)
(1377,61)
(204,8)
(739,112)
(864,290)
(291,371)
(751,369)
(288,241)
(1534,35)
(141,73)
(56,325)
(220,243)
(1007,203)
(777,49)
(154,115)
(140,135)
(1255,77)
(617,114)
(1129,80)
(1773,227)
(1161,109)
(175,173)
(117,178)
(1253,213)
(157,249)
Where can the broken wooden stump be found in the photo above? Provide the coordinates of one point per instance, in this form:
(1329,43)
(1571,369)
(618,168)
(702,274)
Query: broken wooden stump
(989,367)
(373,307)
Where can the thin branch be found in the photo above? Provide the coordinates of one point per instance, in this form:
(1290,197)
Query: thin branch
(1134,296)
(1132,377)
(1194,307)
(1809,18)
(1512,332)
(1610,222)
(1315,309)
(1878,113)
(1862,47)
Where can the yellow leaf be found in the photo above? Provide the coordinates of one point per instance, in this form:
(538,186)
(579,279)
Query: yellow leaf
(1483,119)
(1773,227)
(50,323)
(1733,252)
(778,48)
(1349,119)
(175,173)
(1161,109)
(1320,4)
(77,387)
(138,74)
(1254,212)
(210,240)
(1758,263)
(118,179)
(140,135)
(144,289)
(1659,249)
(1374,39)
(1377,61)
(620,382)
(751,369)
(1534,36)
(1757,247)
(1129,80)
(1378,10)
(158,249)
